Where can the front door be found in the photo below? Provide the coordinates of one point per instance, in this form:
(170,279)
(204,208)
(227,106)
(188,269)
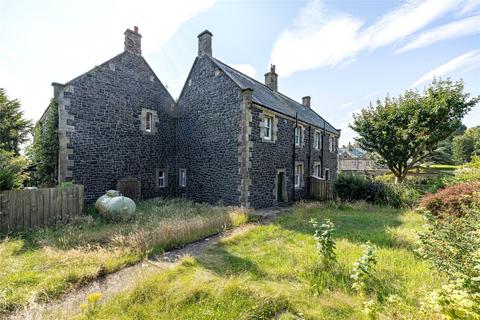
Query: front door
(280,186)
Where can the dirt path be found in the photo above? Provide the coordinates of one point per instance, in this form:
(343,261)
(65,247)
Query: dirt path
(69,304)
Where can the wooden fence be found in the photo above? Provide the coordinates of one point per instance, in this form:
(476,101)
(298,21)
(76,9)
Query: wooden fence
(25,209)
(321,189)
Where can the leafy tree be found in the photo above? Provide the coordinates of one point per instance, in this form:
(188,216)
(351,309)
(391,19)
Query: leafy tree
(14,129)
(443,154)
(11,170)
(405,131)
(467,145)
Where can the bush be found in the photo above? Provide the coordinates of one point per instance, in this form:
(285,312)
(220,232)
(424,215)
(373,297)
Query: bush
(451,242)
(11,168)
(349,187)
(452,201)
(467,173)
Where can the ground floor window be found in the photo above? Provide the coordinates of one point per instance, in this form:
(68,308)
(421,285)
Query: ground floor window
(298,175)
(317,170)
(183,178)
(327,174)
(161,179)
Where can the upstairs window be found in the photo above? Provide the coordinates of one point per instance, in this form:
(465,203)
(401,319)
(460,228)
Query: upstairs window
(148,121)
(298,175)
(331,143)
(182,178)
(161,179)
(267,128)
(298,136)
(317,140)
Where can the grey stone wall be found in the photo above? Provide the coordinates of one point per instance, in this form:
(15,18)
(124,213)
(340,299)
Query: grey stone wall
(208,130)
(269,158)
(104,115)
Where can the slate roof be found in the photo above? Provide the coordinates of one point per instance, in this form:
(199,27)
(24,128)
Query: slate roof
(276,101)
(353,152)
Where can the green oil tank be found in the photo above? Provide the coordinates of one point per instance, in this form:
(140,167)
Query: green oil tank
(115,207)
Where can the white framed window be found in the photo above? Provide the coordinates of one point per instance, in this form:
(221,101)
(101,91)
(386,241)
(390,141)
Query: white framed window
(317,170)
(298,136)
(327,174)
(317,140)
(148,122)
(182,178)
(267,127)
(161,179)
(298,175)
(331,141)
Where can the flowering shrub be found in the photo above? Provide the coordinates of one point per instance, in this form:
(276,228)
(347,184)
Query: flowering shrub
(452,201)
(325,242)
(363,269)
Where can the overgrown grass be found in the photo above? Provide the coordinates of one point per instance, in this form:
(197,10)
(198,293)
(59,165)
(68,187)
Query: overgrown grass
(39,265)
(275,272)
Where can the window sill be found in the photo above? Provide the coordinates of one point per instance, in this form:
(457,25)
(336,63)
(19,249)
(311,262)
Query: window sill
(267,140)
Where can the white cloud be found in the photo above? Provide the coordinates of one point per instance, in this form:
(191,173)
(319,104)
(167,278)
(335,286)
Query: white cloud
(245,69)
(321,37)
(467,61)
(405,20)
(451,30)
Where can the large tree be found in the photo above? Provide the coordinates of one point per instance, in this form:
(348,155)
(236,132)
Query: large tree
(14,128)
(404,131)
(443,154)
(467,145)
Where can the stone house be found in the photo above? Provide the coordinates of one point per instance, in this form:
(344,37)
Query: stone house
(356,160)
(228,138)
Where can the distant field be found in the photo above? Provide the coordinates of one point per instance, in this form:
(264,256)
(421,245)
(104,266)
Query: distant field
(275,272)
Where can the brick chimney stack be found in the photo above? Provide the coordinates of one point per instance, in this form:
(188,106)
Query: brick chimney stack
(133,41)
(306,101)
(271,78)
(205,43)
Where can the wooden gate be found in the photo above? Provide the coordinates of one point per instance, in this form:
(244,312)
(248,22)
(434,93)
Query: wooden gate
(321,189)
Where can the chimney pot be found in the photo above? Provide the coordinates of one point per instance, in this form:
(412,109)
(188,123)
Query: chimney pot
(306,101)
(271,78)
(133,41)
(205,43)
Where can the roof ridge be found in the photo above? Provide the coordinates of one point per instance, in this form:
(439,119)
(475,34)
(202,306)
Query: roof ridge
(287,100)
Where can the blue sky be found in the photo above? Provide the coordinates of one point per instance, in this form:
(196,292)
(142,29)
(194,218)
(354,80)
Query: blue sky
(343,54)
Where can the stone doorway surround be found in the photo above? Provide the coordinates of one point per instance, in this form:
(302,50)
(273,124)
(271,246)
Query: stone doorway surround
(284,186)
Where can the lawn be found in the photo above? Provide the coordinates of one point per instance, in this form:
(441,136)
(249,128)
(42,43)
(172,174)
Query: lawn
(39,265)
(275,272)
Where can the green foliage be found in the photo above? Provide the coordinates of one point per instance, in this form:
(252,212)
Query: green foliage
(405,131)
(363,269)
(268,271)
(456,300)
(443,154)
(41,264)
(11,170)
(467,173)
(350,187)
(14,129)
(325,242)
(453,245)
(44,150)
(467,145)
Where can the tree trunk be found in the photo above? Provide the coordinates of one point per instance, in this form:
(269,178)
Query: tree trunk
(399,178)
